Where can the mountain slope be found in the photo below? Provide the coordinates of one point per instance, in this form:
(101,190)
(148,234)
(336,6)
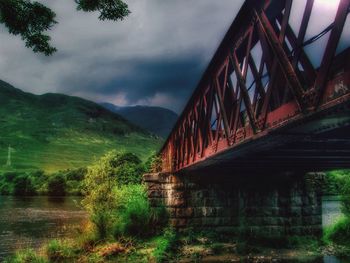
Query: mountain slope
(55,131)
(157,120)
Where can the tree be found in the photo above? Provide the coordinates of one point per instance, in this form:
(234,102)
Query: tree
(128,168)
(30,19)
(99,199)
(56,185)
(23,186)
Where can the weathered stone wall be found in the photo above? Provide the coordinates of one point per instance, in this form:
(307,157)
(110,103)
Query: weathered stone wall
(259,205)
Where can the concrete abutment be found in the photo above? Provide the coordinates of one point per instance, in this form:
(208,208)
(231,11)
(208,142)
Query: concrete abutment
(257,205)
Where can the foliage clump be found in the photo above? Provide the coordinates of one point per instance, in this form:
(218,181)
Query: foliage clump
(109,9)
(134,215)
(38,182)
(339,233)
(23,186)
(56,185)
(154,164)
(116,200)
(30,19)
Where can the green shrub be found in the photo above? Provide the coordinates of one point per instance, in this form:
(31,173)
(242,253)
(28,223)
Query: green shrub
(338,233)
(26,256)
(56,185)
(133,212)
(125,158)
(134,215)
(10,176)
(128,168)
(109,201)
(165,245)
(23,186)
(74,187)
(153,164)
(116,200)
(76,174)
(5,188)
(129,173)
(345,192)
(342,179)
(39,180)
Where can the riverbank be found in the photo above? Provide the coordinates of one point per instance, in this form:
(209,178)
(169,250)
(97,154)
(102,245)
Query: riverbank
(181,249)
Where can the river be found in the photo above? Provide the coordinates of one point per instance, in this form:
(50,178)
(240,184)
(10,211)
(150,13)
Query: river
(29,222)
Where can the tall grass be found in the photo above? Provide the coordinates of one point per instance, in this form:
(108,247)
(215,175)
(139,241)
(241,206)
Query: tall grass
(134,215)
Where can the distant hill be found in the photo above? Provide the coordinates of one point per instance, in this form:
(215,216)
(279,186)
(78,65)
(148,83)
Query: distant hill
(157,120)
(55,131)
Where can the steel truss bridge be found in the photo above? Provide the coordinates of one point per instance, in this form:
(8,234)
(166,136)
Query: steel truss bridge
(263,101)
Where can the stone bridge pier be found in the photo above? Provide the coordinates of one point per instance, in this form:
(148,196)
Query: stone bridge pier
(249,204)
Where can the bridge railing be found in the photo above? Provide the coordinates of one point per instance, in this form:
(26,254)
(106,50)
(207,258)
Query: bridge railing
(267,71)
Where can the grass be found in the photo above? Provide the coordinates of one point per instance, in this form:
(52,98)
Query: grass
(59,250)
(172,247)
(165,245)
(26,256)
(55,132)
(73,150)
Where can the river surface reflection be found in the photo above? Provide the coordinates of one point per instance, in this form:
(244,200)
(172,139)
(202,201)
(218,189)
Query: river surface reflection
(29,222)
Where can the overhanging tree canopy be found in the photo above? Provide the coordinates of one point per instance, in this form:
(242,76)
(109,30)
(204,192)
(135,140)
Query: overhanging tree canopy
(30,19)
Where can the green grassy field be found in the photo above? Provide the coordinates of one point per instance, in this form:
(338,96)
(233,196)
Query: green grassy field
(55,132)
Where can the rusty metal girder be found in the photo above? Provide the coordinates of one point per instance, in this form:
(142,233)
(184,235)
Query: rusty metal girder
(242,97)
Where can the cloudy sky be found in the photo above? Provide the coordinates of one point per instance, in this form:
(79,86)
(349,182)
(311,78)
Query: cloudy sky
(155,57)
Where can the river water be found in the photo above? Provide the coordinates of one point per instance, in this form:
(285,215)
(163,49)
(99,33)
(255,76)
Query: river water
(29,222)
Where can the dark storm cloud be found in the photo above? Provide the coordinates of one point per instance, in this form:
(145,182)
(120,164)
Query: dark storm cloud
(155,57)
(174,77)
(169,76)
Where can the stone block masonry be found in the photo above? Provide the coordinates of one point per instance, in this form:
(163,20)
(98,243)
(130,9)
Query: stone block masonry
(253,205)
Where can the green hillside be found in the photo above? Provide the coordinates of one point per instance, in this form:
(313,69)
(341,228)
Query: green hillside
(55,131)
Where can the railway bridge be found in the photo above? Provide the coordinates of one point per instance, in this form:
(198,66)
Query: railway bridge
(271,111)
